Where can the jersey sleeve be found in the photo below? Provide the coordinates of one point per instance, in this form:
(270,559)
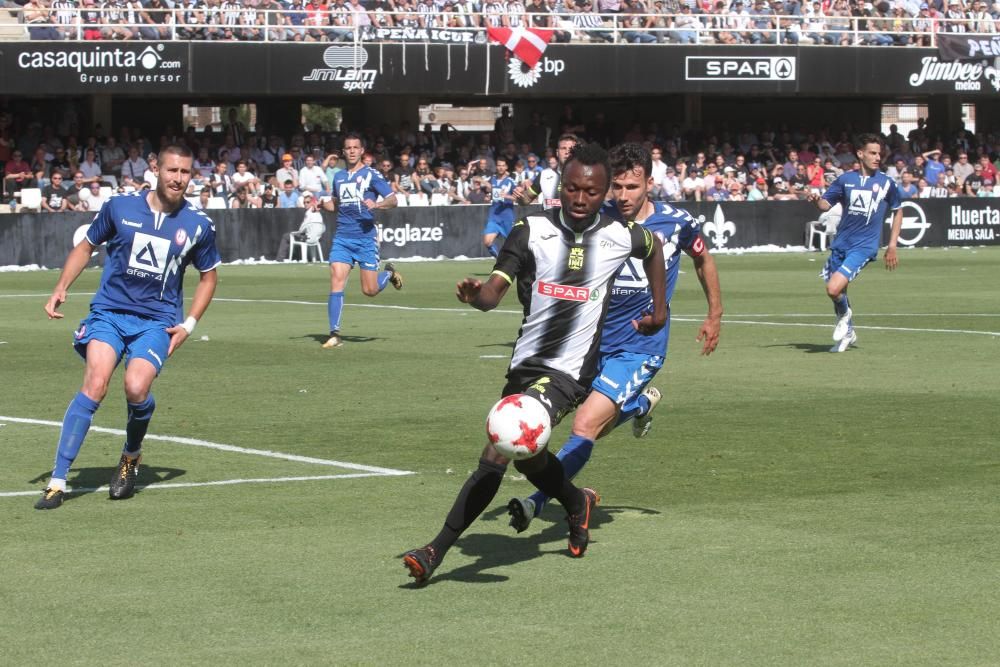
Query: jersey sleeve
(513,254)
(835,193)
(102,228)
(689,237)
(893,198)
(206,256)
(642,241)
(536,184)
(380,185)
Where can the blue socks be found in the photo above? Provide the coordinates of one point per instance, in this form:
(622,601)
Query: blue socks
(334,308)
(494,248)
(139,415)
(574,455)
(383,279)
(76,423)
(841,304)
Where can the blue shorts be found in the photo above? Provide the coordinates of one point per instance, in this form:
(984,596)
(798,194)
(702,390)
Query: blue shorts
(622,376)
(133,336)
(847,262)
(360,250)
(499,227)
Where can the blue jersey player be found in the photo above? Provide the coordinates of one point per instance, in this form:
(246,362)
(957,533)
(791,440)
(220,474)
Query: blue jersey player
(356,191)
(629,361)
(137,313)
(500,218)
(866,197)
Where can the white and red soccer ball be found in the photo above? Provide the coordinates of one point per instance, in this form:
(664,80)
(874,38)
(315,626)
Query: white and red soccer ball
(519,426)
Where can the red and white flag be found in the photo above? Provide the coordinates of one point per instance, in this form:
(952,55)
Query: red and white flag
(528,44)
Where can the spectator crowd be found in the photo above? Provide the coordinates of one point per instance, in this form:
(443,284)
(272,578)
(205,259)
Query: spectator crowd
(235,167)
(828,22)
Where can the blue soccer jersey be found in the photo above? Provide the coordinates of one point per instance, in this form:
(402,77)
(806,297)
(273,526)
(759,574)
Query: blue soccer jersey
(147,254)
(502,210)
(352,188)
(866,202)
(631,296)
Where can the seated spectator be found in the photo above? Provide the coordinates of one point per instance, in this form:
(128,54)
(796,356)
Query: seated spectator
(587,21)
(312,178)
(17,174)
(54,198)
(156,19)
(638,22)
(757,190)
(74,190)
(242,199)
(692,186)
(204,198)
(269,199)
(289,196)
(39,20)
(686,27)
(907,186)
(670,186)
(312,214)
(92,199)
(780,191)
(245,178)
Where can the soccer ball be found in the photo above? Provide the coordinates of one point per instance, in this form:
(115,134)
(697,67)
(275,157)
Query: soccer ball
(518,426)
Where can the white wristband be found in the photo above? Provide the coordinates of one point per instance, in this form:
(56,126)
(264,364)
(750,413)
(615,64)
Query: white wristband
(189,325)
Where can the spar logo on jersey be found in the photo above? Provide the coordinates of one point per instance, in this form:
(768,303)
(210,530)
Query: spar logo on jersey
(345,66)
(740,68)
(564,292)
(149,256)
(525,77)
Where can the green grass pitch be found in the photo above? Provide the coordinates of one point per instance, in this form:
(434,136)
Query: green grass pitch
(790,507)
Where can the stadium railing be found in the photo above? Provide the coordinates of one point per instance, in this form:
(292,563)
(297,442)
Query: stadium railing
(250,24)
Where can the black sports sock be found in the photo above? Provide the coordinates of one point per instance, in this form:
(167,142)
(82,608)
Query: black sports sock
(550,478)
(475,496)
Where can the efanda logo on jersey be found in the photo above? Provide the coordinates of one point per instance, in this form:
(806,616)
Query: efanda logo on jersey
(525,77)
(345,66)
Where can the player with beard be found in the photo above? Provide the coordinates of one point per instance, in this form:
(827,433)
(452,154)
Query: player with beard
(563,263)
(546,183)
(628,361)
(866,196)
(137,313)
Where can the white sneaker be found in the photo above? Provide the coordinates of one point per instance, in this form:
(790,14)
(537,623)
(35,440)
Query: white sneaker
(850,340)
(641,425)
(333,341)
(843,325)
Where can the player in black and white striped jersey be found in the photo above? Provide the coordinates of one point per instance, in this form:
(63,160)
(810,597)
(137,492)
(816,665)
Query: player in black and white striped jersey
(564,263)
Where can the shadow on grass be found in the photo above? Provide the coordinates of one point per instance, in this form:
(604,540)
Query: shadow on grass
(322,338)
(88,480)
(508,345)
(808,348)
(493,550)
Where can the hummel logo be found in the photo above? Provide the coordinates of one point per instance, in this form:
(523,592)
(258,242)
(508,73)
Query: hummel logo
(128,223)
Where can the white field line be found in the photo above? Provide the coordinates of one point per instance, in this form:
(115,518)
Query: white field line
(729,319)
(189,485)
(371,470)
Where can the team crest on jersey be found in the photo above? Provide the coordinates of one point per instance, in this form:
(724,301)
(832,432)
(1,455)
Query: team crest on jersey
(575,261)
(180,237)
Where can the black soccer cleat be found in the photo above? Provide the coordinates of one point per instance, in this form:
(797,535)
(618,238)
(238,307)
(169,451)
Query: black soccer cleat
(579,524)
(394,276)
(421,563)
(51,499)
(521,511)
(123,483)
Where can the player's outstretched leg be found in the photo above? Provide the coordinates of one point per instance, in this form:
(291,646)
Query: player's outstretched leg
(476,495)
(643,420)
(76,423)
(573,455)
(334,309)
(122,484)
(390,275)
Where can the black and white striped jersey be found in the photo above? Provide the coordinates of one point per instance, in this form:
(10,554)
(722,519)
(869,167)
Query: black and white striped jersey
(563,281)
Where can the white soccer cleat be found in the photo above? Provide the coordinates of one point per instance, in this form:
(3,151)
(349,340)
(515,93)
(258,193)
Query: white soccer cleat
(641,425)
(850,340)
(843,325)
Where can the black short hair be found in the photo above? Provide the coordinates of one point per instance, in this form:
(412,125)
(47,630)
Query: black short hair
(869,138)
(590,155)
(353,135)
(569,136)
(626,157)
(175,149)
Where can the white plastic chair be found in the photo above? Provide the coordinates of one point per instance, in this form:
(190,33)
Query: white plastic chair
(306,238)
(30,198)
(419,199)
(216,202)
(440,199)
(106,192)
(823,228)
